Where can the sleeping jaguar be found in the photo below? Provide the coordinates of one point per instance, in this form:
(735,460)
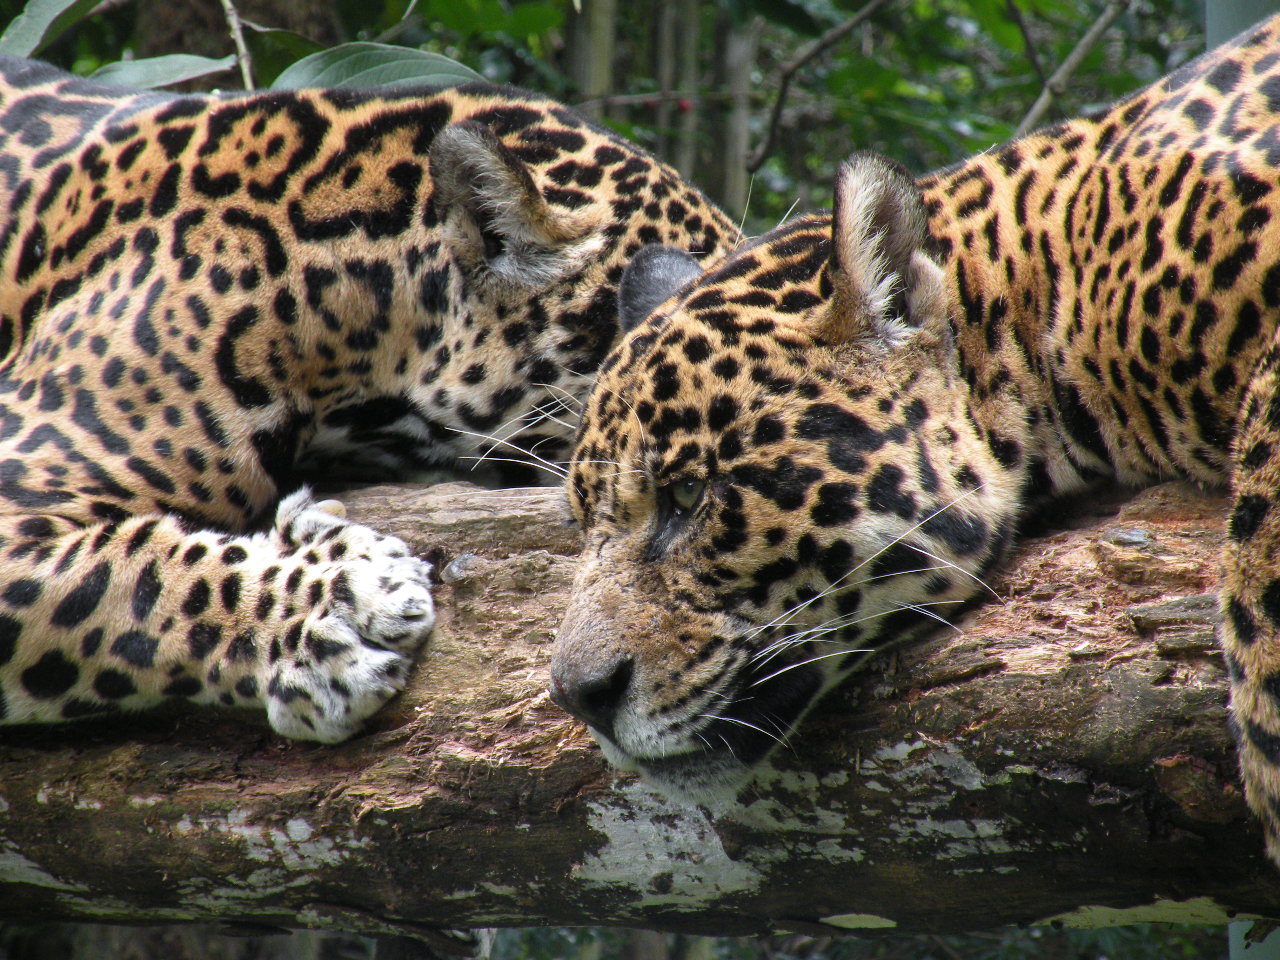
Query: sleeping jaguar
(204,300)
(823,444)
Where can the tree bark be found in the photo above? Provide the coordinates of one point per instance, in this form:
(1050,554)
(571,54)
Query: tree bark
(1064,757)
(737,59)
(685,155)
(592,34)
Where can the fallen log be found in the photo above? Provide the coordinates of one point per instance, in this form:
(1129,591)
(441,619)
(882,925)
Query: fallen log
(1063,757)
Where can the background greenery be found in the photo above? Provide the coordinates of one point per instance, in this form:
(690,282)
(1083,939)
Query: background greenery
(924,81)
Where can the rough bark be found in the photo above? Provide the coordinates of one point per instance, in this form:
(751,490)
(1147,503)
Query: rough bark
(737,57)
(1065,756)
(592,34)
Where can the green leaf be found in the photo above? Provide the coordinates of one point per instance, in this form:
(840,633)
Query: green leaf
(274,50)
(162,71)
(373,65)
(40,23)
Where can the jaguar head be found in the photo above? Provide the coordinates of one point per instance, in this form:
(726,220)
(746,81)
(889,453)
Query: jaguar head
(776,476)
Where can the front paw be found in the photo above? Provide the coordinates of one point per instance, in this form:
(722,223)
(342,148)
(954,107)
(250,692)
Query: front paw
(371,609)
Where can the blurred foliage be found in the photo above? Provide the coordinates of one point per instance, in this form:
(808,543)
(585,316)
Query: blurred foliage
(924,81)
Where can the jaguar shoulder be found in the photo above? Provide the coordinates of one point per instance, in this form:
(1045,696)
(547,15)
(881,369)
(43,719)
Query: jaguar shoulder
(824,443)
(205,299)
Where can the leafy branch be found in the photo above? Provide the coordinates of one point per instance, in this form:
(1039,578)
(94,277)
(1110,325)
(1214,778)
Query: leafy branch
(237,38)
(1057,83)
(807,53)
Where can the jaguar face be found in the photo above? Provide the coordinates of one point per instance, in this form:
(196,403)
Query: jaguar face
(776,479)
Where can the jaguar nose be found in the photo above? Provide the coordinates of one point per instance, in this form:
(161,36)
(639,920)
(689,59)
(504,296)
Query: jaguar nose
(593,695)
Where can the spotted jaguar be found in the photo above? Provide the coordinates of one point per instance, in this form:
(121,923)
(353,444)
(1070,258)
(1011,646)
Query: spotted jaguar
(822,445)
(205,300)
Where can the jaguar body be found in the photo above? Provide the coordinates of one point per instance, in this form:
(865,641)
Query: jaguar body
(206,299)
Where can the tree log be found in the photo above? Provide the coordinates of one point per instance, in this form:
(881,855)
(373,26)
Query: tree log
(1063,756)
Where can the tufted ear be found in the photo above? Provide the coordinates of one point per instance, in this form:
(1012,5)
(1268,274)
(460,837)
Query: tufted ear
(883,282)
(653,275)
(511,227)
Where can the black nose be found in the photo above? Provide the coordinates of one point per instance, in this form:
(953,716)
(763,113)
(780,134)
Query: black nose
(594,696)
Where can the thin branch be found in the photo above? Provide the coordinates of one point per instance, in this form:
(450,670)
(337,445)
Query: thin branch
(237,38)
(1015,14)
(400,26)
(1057,83)
(789,69)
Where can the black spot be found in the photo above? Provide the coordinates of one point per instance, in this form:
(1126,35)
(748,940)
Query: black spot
(721,413)
(113,685)
(91,642)
(183,687)
(884,493)
(242,648)
(22,593)
(896,559)
(81,602)
(136,647)
(230,591)
(50,676)
(1224,76)
(837,504)
(10,629)
(1270,601)
(146,591)
(202,639)
(785,483)
(1250,511)
(963,533)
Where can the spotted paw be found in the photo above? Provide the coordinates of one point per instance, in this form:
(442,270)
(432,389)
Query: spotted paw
(370,607)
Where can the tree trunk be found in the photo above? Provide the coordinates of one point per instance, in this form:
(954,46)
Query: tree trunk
(1064,757)
(685,154)
(738,59)
(592,34)
(664,71)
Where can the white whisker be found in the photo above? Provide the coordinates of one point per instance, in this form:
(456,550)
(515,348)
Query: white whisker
(742,723)
(559,473)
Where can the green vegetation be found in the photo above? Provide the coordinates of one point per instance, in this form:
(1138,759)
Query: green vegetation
(924,81)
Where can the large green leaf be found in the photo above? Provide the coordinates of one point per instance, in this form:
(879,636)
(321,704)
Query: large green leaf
(162,71)
(274,50)
(373,65)
(40,23)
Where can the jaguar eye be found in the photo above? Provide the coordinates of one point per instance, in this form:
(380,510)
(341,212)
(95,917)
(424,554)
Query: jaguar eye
(687,493)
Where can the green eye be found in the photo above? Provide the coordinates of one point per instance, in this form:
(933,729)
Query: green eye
(687,493)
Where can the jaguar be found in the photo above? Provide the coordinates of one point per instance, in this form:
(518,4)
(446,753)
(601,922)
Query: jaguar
(820,446)
(207,300)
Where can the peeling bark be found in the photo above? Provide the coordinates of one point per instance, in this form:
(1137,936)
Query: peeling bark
(1065,756)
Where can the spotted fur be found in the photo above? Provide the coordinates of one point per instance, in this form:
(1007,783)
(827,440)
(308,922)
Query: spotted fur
(203,300)
(822,445)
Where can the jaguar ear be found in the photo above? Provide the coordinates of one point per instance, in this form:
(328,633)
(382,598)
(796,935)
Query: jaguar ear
(884,284)
(506,221)
(653,275)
